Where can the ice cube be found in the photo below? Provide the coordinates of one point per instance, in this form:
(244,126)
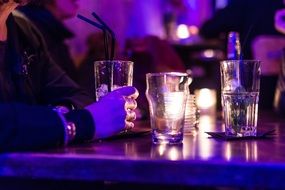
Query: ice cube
(102,90)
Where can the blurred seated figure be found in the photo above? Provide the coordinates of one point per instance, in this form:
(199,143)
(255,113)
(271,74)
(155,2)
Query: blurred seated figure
(96,52)
(27,73)
(162,55)
(279,101)
(48,16)
(151,54)
(40,106)
(268,49)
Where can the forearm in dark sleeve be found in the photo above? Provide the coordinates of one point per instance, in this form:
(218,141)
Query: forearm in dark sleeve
(84,123)
(24,127)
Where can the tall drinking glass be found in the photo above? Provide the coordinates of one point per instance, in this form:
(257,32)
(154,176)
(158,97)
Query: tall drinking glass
(166,94)
(240,81)
(110,75)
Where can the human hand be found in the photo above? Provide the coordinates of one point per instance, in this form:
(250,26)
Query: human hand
(114,112)
(280,20)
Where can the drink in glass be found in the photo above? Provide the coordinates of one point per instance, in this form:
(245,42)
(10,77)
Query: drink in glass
(110,75)
(240,81)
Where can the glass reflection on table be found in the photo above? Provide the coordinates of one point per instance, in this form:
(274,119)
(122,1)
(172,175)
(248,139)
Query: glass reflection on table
(171,152)
(248,150)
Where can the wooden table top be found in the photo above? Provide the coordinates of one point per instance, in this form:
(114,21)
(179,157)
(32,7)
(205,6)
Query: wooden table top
(200,160)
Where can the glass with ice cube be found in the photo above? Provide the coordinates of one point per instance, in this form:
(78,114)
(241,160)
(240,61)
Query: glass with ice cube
(240,81)
(110,75)
(166,94)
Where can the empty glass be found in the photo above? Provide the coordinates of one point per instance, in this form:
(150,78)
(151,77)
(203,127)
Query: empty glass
(166,94)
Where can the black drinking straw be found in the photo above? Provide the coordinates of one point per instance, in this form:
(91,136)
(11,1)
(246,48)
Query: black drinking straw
(106,45)
(113,38)
(101,27)
(105,30)
(91,22)
(245,40)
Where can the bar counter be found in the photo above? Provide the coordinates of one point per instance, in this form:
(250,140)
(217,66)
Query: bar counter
(199,161)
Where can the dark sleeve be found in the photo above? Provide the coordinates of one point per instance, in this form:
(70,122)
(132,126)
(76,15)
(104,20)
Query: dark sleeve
(228,19)
(86,78)
(24,127)
(59,89)
(2,52)
(84,123)
(56,88)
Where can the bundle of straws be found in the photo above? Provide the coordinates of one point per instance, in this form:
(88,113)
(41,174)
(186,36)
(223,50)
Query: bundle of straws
(107,34)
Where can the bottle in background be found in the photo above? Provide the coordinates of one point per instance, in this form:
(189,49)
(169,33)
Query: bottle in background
(233,46)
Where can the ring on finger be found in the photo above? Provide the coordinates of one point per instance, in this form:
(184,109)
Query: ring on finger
(129,125)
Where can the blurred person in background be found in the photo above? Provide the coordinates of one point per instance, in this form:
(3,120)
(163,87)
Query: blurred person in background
(151,54)
(48,16)
(279,20)
(279,101)
(40,106)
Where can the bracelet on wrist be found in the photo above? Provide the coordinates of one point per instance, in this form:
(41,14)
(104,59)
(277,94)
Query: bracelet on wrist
(69,127)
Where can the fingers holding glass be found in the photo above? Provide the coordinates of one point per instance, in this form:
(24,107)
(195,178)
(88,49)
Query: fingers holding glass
(131,115)
(130,106)
(129,125)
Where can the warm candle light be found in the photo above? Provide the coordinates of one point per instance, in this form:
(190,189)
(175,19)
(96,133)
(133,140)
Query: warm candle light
(206,100)
(194,30)
(209,53)
(182,31)
(173,102)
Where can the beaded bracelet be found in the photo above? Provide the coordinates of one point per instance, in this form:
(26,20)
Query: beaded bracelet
(69,127)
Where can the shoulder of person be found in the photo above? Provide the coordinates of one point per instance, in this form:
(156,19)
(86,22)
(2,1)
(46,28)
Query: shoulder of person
(29,29)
